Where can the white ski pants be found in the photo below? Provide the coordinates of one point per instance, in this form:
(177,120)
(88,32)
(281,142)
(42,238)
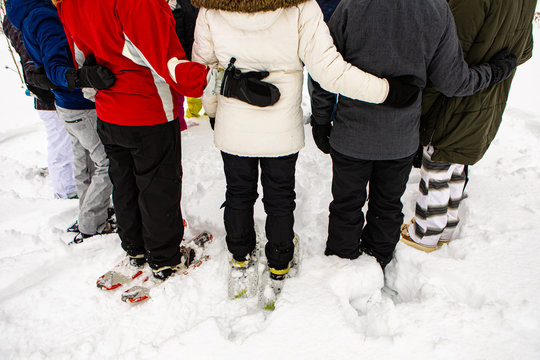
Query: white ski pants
(91,168)
(59,154)
(440,193)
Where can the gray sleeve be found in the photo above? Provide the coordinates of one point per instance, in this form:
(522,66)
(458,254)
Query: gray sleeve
(322,101)
(448,71)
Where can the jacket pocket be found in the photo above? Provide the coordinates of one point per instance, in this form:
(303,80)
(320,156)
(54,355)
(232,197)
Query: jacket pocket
(73,121)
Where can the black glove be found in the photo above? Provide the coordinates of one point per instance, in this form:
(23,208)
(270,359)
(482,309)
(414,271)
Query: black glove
(403,92)
(90,75)
(36,77)
(321,135)
(212,122)
(417,159)
(44,95)
(502,65)
(248,87)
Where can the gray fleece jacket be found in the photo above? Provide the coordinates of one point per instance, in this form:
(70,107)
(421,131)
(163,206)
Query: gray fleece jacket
(392,38)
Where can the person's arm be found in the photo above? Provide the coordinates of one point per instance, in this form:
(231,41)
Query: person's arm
(203,52)
(160,49)
(448,71)
(33,79)
(322,104)
(322,101)
(326,65)
(54,49)
(322,107)
(15,38)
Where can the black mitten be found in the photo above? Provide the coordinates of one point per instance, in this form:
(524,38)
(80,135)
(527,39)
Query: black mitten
(36,77)
(502,65)
(321,135)
(417,159)
(403,92)
(248,87)
(44,95)
(90,75)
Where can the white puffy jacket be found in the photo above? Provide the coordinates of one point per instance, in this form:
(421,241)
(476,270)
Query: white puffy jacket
(279,41)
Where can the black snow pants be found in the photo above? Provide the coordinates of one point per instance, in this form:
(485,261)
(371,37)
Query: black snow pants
(277,178)
(347,235)
(146,172)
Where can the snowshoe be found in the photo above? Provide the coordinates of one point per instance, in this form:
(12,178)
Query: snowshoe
(273,280)
(193,255)
(406,239)
(130,268)
(244,276)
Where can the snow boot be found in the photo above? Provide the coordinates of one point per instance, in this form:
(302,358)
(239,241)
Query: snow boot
(137,260)
(108,229)
(164,272)
(187,259)
(74,228)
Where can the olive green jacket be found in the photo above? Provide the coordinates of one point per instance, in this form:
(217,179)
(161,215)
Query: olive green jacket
(461,129)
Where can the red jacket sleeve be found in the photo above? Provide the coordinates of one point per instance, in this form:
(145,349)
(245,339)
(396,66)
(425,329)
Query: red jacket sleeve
(149,29)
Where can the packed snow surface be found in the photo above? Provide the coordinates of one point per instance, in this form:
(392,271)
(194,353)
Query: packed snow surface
(477,298)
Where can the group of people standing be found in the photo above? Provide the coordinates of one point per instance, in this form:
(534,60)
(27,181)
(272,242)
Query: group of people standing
(368,67)
(445,46)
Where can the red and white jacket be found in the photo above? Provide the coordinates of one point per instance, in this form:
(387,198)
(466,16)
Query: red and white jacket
(136,40)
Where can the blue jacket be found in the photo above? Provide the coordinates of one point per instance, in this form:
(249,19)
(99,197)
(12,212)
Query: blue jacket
(47,46)
(328,7)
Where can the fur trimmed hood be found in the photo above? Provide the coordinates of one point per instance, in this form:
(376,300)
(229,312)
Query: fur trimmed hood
(246,6)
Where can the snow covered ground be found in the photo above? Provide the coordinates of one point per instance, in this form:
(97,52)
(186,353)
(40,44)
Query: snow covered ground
(477,298)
